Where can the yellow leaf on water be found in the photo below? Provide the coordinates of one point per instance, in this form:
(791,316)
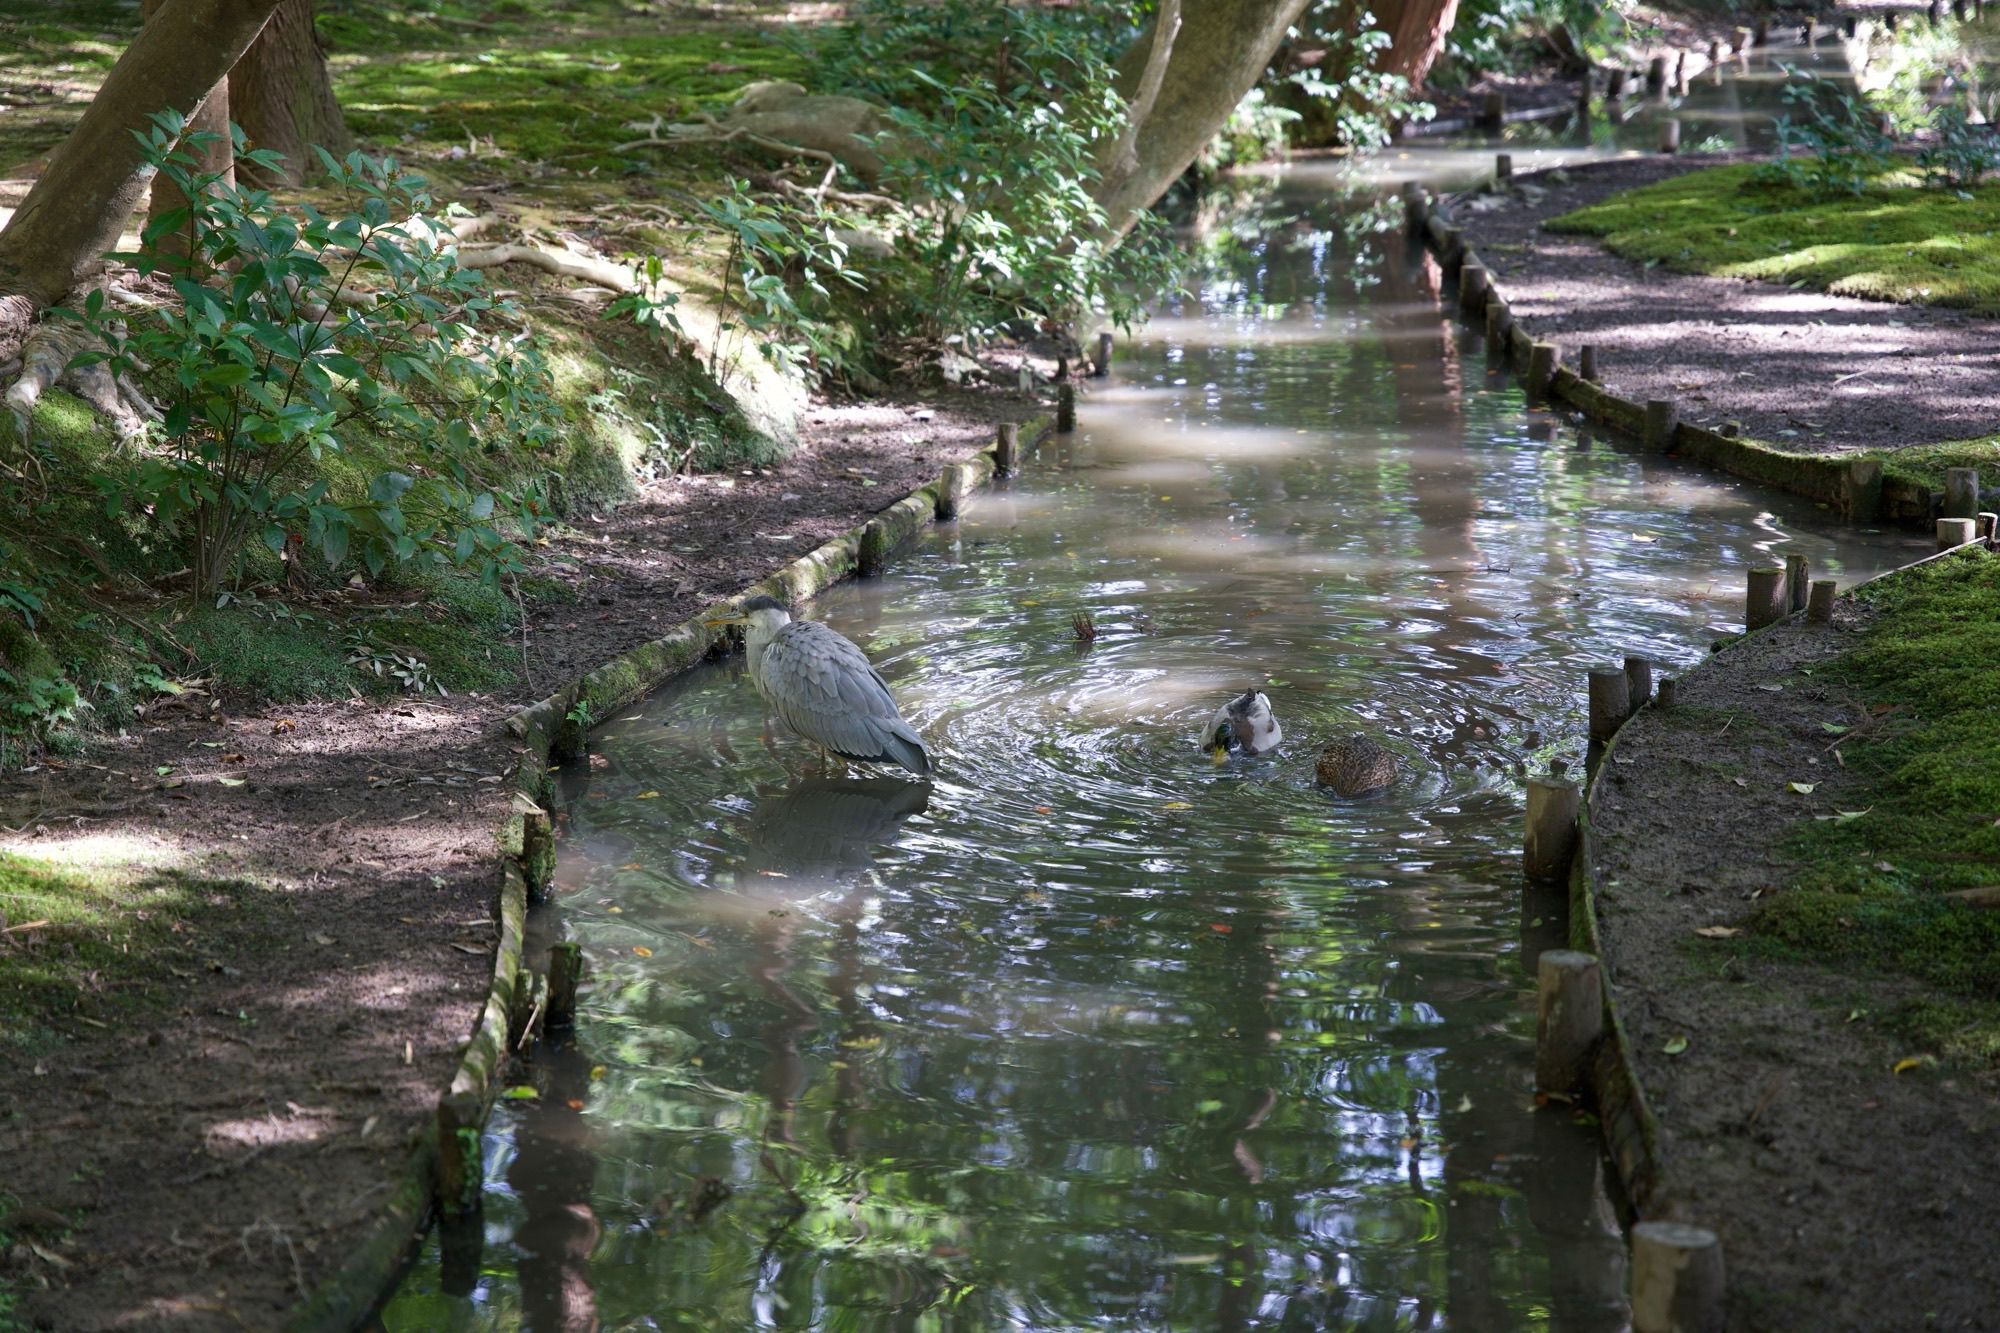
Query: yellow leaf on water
(1909,1062)
(1177,805)
(647,796)
(642,951)
(596,1072)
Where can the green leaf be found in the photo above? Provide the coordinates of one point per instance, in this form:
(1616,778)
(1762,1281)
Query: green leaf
(1675,1045)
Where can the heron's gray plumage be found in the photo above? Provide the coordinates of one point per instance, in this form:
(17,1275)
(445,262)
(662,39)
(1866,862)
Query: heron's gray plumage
(824,688)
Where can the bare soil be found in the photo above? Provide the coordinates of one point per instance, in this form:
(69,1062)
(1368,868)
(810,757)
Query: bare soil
(1808,371)
(225,1157)
(1848,1196)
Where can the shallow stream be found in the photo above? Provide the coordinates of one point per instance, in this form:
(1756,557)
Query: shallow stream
(1094,1033)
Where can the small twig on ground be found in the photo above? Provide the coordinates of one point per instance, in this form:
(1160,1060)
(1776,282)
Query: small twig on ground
(521,610)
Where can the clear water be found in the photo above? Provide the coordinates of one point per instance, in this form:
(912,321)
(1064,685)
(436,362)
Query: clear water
(1093,1033)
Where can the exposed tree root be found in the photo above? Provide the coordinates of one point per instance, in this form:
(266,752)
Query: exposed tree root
(45,360)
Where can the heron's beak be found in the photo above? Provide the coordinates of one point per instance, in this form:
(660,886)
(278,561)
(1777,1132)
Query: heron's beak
(720,622)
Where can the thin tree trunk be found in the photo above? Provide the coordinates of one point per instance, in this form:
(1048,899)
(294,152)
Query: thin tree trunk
(283,98)
(1216,58)
(218,158)
(95,177)
(1417,29)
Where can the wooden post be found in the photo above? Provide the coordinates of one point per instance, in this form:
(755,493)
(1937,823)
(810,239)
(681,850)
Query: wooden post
(1670,135)
(1638,681)
(1677,1282)
(1819,603)
(1656,74)
(1795,583)
(950,492)
(1569,1018)
(1499,319)
(1503,166)
(1665,698)
(1956,532)
(1551,840)
(1586,362)
(1808,32)
(460,1119)
(1493,111)
(1681,74)
(1103,367)
(1961,492)
(1007,440)
(1610,702)
(1416,206)
(1764,597)
(1472,288)
(1850,25)
(1861,490)
(1989,523)
(1452,253)
(565,974)
(1761,34)
(1662,417)
(1934,12)
(1741,41)
(1542,361)
(1614,84)
(1889,20)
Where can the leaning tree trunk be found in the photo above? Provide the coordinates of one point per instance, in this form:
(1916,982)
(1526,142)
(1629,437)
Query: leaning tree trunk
(281,95)
(217,159)
(95,177)
(1215,58)
(1417,29)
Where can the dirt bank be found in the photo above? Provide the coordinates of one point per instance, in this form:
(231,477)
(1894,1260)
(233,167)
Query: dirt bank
(1805,370)
(1847,1190)
(218,1120)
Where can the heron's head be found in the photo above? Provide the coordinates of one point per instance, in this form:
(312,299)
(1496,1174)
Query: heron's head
(766,615)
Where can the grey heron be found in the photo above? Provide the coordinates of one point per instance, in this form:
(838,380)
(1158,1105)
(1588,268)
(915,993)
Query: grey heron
(823,687)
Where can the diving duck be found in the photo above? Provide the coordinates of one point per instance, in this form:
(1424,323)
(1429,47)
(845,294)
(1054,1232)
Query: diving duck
(1356,766)
(1242,726)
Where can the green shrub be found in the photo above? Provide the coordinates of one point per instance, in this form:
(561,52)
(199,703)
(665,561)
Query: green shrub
(1831,142)
(295,332)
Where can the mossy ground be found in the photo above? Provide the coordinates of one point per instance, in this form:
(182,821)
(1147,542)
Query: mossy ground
(1892,242)
(107,947)
(1873,893)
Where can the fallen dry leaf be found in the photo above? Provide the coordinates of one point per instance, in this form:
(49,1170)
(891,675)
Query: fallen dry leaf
(1717,932)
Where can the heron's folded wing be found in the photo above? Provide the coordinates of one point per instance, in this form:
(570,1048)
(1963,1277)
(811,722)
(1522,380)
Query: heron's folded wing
(826,690)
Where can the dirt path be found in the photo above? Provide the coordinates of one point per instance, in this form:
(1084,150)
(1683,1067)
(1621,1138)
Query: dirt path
(1847,1196)
(1802,369)
(207,1168)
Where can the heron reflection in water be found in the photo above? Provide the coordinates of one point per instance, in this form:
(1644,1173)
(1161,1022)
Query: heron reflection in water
(823,831)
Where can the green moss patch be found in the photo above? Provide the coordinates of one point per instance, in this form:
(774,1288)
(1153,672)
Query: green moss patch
(109,947)
(1875,890)
(566,102)
(1892,242)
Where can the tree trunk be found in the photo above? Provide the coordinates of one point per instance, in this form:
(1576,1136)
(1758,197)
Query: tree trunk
(1417,29)
(218,158)
(1216,58)
(94,178)
(282,97)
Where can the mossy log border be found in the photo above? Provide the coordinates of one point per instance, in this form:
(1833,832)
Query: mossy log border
(1852,485)
(550,731)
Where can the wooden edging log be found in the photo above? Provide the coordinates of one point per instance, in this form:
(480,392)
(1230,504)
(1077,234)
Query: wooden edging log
(1854,487)
(547,730)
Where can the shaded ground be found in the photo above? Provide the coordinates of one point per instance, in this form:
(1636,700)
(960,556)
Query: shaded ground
(1803,369)
(1847,1194)
(215,1152)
